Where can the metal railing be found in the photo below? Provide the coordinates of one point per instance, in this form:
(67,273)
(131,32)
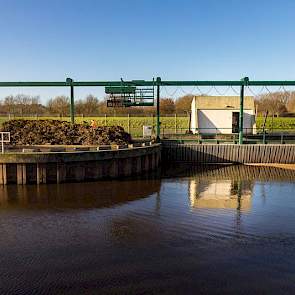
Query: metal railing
(225,135)
(5,138)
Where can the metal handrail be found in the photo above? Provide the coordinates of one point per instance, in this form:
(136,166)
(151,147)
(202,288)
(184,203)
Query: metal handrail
(5,138)
(280,135)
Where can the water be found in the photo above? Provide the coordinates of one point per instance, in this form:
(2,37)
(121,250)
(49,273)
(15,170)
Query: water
(227,230)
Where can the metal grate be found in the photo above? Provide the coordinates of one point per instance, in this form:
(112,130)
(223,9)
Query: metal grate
(127,96)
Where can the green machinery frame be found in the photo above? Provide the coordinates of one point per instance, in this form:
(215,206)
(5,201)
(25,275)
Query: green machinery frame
(157,83)
(130,95)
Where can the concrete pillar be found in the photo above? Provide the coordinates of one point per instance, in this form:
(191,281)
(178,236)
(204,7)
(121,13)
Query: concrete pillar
(153,165)
(127,169)
(157,154)
(97,171)
(41,173)
(4,171)
(21,174)
(3,175)
(38,174)
(24,173)
(146,163)
(80,173)
(114,168)
(138,165)
(60,173)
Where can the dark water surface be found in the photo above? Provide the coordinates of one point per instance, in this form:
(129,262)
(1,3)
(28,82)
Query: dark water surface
(228,230)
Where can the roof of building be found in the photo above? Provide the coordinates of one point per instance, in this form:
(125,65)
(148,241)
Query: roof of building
(223,102)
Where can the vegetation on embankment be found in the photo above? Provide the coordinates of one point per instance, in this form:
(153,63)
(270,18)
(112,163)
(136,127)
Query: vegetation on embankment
(36,132)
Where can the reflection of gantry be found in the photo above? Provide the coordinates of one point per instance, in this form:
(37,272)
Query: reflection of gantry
(127,95)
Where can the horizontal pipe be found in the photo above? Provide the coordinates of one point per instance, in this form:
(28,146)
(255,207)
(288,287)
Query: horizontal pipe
(147,83)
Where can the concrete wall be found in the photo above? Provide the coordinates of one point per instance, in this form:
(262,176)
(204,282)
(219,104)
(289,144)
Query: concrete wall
(57,167)
(228,153)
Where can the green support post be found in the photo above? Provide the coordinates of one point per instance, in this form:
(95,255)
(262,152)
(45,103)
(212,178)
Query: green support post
(70,81)
(158,108)
(241,115)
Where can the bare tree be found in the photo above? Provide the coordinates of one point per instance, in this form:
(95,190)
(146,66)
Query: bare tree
(167,106)
(91,105)
(275,103)
(291,102)
(59,105)
(183,103)
(22,104)
(9,105)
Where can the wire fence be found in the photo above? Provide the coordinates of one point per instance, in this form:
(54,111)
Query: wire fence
(174,125)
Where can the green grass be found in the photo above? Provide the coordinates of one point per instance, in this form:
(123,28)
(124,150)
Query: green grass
(167,123)
(283,123)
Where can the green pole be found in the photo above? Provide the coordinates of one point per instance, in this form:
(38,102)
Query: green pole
(158,109)
(72,102)
(241,116)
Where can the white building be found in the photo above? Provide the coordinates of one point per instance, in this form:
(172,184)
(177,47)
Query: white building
(220,114)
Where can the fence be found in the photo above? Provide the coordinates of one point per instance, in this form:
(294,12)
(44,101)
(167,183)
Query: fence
(225,135)
(131,123)
(177,126)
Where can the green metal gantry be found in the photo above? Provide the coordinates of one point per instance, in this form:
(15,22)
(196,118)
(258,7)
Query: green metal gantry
(159,82)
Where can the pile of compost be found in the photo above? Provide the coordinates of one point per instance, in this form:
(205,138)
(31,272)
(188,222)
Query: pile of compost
(36,132)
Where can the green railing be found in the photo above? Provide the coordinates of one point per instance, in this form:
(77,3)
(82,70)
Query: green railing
(225,135)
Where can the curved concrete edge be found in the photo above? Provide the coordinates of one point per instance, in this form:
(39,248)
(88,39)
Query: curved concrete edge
(77,156)
(57,167)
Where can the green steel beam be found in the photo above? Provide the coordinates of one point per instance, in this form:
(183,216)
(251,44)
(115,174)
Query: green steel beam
(146,83)
(227,83)
(158,82)
(271,83)
(33,84)
(70,83)
(241,113)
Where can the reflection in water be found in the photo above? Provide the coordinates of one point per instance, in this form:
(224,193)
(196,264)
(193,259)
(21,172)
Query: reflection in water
(237,172)
(194,230)
(76,195)
(225,194)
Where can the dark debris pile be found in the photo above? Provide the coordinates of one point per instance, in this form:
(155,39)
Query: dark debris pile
(36,132)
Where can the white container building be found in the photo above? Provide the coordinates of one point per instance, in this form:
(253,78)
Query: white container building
(220,115)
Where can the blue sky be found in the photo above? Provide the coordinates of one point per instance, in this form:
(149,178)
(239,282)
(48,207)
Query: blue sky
(140,39)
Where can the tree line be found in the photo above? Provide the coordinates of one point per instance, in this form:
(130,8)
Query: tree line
(275,103)
(21,105)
